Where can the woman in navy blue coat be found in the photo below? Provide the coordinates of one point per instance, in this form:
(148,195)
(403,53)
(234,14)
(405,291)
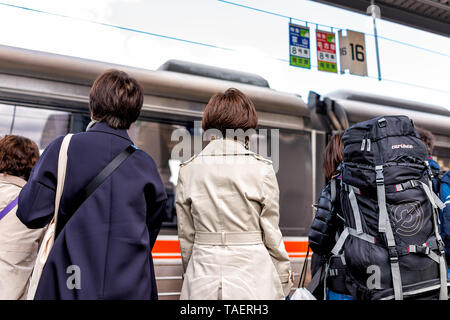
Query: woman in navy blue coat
(108,240)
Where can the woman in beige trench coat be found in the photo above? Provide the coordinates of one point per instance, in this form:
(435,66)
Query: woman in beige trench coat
(227,202)
(18,244)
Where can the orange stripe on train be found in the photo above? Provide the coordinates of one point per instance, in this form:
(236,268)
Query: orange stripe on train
(166,246)
(295,249)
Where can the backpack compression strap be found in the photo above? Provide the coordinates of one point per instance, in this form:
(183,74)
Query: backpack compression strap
(385,226)
(354,204)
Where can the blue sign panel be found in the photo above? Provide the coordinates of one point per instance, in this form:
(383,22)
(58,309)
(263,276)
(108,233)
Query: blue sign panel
(299,46)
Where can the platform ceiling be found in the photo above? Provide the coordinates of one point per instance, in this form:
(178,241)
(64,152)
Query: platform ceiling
(429,15)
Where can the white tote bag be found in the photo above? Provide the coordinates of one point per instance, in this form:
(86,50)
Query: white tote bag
(49,236)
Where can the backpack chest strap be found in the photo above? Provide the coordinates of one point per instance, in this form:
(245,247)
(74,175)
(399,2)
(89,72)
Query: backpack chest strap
(402,186)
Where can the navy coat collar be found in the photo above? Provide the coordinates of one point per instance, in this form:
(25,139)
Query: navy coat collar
(104,127)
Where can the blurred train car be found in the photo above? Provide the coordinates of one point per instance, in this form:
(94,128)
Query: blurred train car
(45,95)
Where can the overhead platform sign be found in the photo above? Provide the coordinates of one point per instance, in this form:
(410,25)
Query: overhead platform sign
(352,49)
(326,51)
(299,46)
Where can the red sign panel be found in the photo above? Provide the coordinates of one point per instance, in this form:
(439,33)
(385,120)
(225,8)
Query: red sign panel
(326,51)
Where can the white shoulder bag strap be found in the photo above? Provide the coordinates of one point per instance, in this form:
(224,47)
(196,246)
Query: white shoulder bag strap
(49,236)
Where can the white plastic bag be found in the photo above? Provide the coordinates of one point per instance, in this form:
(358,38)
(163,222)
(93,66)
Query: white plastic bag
(302,294)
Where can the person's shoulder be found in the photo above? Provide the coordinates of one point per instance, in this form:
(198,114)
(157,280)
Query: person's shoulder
(56,142)
(433,164)
(145,159)
(188,161)
(260,158)
(144,166)
(326,191)
(53,147)
(10,186)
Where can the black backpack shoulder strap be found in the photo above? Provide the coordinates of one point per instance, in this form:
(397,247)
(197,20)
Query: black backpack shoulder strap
(316,279)
(334,182)
(93,185)
(333,189)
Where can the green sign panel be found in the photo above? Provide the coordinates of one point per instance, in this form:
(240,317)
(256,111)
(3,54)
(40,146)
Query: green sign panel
(300,62)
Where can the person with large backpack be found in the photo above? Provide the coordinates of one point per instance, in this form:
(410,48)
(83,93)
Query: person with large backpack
(328,272)
(391,243)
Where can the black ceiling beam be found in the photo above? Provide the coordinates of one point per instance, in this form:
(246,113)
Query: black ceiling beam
(394,14)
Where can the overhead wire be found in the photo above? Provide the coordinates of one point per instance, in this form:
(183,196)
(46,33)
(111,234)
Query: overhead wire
(308,22)
(116,26)
(209,44)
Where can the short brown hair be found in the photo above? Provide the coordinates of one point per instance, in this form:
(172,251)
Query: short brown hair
(333,155)
(428,139)
(116,98)
(229,110)
(18,155)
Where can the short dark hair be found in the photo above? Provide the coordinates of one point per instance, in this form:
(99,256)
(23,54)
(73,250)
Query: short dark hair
(116,98)
(229,110)
(428,139)
(18,155)
(333,154)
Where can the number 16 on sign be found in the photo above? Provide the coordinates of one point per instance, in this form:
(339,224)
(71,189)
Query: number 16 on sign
(353,52)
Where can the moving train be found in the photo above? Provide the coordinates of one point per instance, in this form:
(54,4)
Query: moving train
(44,95)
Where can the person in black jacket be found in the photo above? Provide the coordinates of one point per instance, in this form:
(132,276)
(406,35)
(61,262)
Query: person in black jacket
(327,224)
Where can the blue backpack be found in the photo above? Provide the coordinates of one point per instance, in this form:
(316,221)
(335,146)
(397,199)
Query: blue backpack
(444,192)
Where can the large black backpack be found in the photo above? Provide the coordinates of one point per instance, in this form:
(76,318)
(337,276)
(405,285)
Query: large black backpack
(391,243)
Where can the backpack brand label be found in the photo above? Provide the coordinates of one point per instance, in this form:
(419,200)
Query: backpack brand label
(402,146)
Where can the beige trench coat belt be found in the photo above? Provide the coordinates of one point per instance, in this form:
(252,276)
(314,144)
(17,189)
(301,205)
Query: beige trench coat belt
(228,238)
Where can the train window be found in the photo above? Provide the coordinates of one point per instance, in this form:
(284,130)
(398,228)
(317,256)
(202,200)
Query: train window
(39,125)
(294,173)
(295,182)
(155,138)
(321,142)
